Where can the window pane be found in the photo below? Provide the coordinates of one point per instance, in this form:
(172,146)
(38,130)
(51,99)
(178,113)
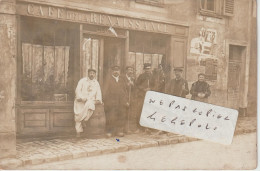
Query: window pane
(203,4)
(47,61)
(210,5)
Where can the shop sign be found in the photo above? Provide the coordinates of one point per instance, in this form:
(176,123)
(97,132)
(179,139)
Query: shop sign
(60,13)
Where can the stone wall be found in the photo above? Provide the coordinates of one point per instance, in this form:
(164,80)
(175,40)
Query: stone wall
(7,78)
(252,88)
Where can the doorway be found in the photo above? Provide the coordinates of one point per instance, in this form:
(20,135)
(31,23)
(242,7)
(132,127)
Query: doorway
(114,54)
(235,70)
(101,53)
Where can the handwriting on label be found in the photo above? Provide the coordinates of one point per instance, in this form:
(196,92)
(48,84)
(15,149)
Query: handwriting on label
(188,117)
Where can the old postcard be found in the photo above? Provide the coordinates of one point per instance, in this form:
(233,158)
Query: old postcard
(128,84)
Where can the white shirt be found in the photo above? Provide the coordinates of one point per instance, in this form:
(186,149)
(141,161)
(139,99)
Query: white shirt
(116,78)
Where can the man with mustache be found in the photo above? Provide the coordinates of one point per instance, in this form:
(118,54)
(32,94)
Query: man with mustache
(88,94)
(116,103)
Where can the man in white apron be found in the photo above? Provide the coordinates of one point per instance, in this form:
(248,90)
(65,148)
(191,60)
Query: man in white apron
(88,93)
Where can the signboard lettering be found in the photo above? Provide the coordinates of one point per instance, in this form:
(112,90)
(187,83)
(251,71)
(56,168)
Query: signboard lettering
(60,13)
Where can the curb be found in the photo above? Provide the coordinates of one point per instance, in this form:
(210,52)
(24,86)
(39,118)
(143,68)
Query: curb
(94,151)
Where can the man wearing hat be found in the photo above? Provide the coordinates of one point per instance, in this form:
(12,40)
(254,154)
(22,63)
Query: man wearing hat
(88,94)
(129,82)
(116,102)
(178,86)
(200,90)
(144,83)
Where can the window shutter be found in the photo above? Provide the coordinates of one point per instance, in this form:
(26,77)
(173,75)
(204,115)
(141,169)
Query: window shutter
(229,7)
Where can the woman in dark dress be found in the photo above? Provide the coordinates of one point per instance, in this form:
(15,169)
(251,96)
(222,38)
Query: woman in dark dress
(200,90)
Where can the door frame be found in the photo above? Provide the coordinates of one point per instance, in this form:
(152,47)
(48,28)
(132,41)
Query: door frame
(243,89)
(101,37)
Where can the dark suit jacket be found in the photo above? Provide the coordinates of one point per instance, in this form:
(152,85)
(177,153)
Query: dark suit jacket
(175,88)
(143,82)
(115,94)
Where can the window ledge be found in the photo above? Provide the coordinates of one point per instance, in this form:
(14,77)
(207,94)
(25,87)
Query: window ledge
(210,14)
(159,4)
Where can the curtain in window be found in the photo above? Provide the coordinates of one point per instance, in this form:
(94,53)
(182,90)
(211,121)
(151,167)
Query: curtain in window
(27,59)
(95,54)
(48,66)
(139,64)
(37,67)
(45,68)
(130,61)
(148,58)
(155,60)
(90,55)
(86,56)
(138,59)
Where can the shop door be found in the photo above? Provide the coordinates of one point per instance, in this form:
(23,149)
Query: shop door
(114,54)
(233,84)
(234,75)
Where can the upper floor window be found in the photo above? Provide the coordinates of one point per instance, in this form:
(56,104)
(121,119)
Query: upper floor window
(208,5)
(216,8)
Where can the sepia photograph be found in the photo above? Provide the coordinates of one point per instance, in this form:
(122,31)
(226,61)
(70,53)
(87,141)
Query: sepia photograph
(128,85)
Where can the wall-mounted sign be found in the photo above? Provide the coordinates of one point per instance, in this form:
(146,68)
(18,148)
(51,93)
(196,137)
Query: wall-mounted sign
(59,13)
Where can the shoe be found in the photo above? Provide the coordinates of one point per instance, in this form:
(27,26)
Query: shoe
(148,132)
(159,133)
(78,135)
(120,134)
(128,132)
(84,125)
(137,131)
(108,135)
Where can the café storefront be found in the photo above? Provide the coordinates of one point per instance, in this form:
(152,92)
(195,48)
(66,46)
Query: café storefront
(57,45)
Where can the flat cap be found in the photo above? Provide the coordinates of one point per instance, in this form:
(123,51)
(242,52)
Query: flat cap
(178,69)
(201,74)
(115,68)
(91,69)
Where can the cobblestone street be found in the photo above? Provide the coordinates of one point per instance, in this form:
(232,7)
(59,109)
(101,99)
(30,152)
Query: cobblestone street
(38,152)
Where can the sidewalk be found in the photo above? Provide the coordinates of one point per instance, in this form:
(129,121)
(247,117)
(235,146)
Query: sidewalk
(38,152)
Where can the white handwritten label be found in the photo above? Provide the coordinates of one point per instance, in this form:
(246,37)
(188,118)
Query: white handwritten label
(188,117)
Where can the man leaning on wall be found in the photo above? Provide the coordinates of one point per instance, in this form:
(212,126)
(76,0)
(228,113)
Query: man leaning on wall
(88,94)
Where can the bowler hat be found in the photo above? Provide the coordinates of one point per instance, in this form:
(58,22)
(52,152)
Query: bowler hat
(147,65)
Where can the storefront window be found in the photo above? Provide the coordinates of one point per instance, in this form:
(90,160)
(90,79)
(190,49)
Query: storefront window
(47,61)
(146,48)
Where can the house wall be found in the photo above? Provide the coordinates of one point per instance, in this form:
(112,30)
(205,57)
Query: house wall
(7,78)
(181,12)
(226,29)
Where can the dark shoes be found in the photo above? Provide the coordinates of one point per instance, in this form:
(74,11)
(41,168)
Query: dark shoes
(120,134)
(108,135)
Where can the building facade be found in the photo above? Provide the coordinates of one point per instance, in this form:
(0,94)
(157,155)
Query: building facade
(47,46)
